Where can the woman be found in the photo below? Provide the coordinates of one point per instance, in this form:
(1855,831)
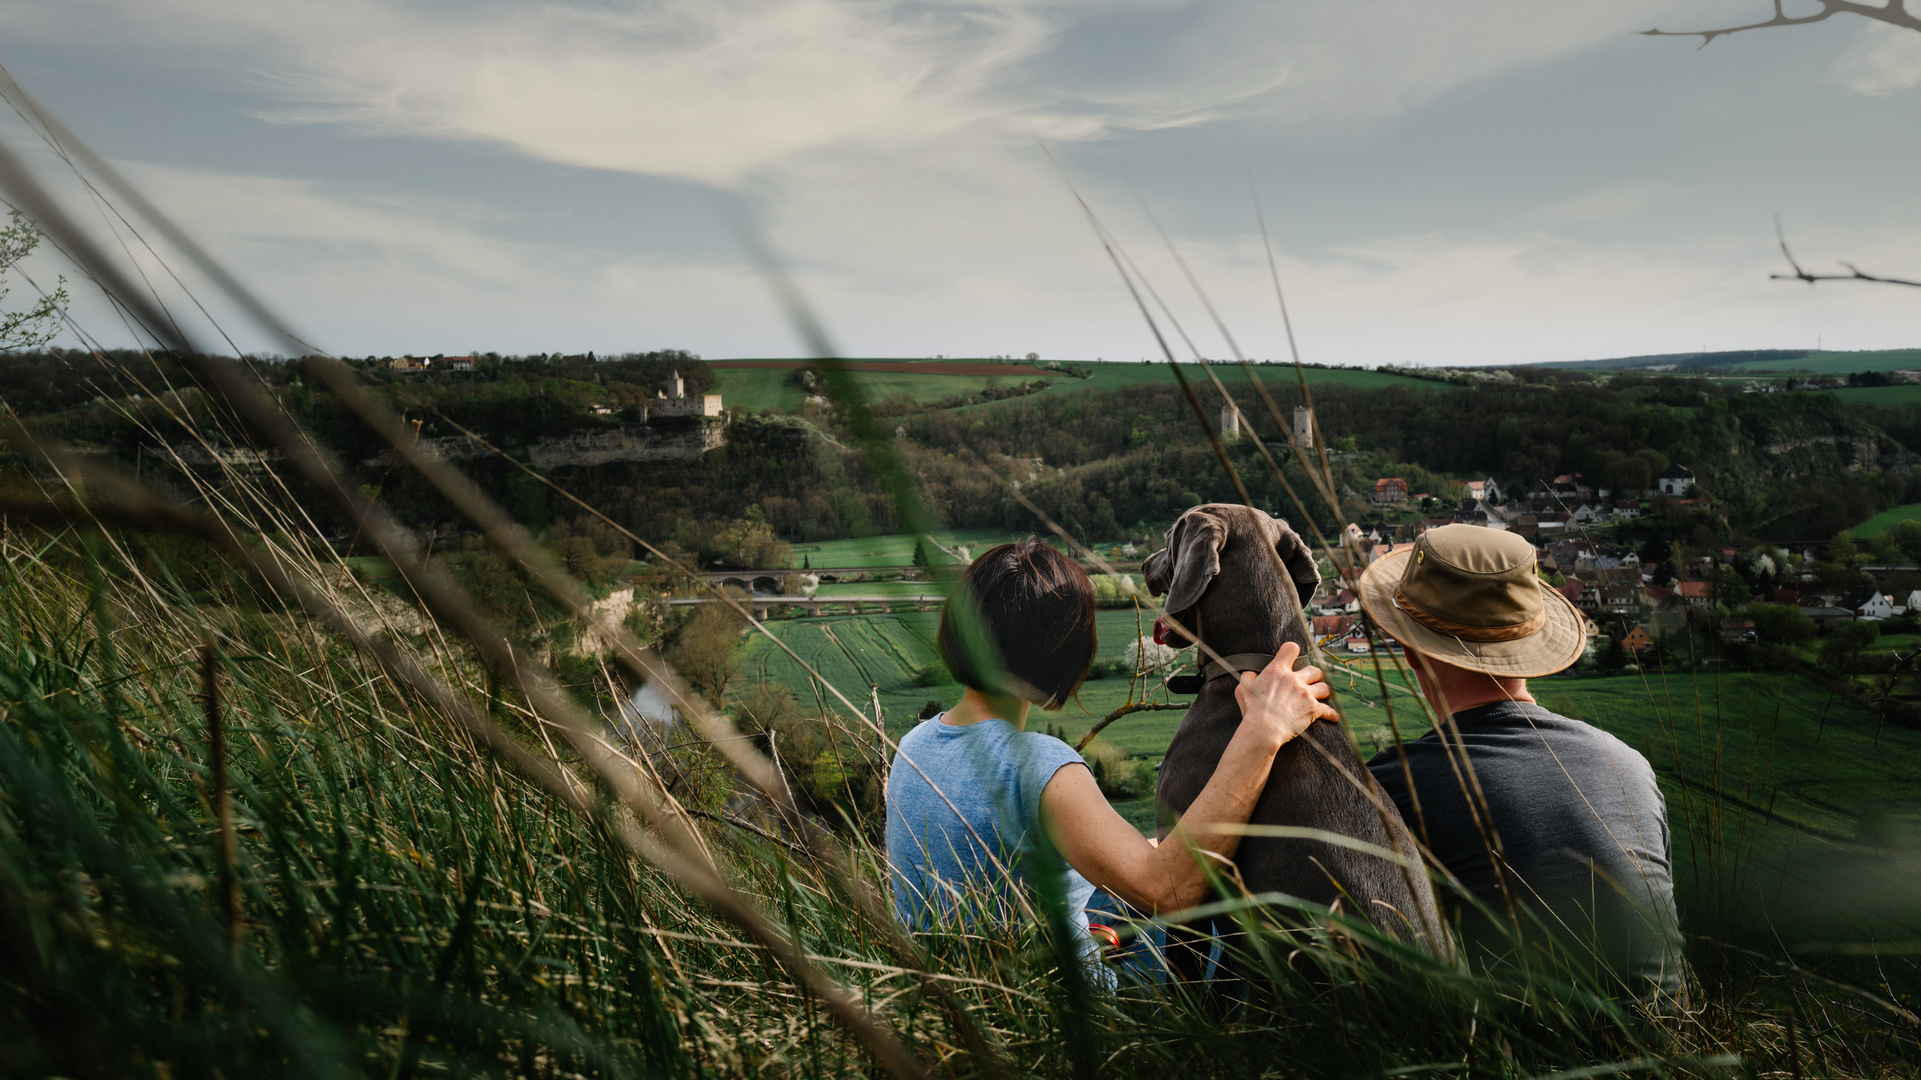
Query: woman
(978,807)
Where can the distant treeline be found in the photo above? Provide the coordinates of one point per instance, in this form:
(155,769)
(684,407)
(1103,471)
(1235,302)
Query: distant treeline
(1801,465)
(1103,463)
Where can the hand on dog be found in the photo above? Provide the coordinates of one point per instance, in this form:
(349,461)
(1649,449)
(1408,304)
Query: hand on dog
(1281,702)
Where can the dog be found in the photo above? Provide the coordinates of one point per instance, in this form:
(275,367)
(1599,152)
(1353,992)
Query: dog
(1237,579)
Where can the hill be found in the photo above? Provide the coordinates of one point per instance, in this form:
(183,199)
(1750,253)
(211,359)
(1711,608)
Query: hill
(755,384)
(1753,362)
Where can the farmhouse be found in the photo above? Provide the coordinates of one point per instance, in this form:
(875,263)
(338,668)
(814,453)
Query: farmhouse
(1388,489)
(460,363)
(1332,626)
(1696,593)
(1616,599)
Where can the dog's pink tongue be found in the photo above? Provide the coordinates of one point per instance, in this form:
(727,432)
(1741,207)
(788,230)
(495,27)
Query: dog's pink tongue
(1160,632)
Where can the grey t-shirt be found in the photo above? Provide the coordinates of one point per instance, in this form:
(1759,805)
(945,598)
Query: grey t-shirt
(1583,833)
(961,856)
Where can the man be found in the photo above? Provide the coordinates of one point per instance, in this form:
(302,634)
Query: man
(1557,828)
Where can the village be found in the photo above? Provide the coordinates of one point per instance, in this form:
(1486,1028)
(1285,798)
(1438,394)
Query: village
(1626,599)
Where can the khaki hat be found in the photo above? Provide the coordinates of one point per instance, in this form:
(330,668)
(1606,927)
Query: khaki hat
(1469,596)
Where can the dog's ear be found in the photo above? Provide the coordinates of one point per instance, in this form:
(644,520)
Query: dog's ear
(1192,558)
(1297,560)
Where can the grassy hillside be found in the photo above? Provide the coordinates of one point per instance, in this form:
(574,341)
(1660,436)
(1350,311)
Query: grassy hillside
(1885,520)
(1885,396)
(1113,375)
(1837,363)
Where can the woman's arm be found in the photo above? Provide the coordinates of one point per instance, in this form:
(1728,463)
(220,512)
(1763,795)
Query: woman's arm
(1276,705)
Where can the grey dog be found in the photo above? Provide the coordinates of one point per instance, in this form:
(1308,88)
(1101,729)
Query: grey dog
(1237,579)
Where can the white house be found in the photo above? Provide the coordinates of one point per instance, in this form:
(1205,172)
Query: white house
(1868,604)
(1914,600)
(1676,480)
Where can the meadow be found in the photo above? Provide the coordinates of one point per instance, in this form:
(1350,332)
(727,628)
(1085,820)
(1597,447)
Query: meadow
(1886,520)
(1836,363)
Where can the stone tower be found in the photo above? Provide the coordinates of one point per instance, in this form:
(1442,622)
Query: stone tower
(1303,427)
(1230,424)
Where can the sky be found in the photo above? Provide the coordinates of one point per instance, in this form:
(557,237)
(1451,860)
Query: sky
(1456,182)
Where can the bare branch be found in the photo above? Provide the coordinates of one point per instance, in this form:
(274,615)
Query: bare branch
(1854,273)
(1892,12)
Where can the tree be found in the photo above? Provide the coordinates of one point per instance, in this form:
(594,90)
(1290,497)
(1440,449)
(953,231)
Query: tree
(1845,643)
(920,553)
(38,324)
(1615,656)
(1656,550)
(1781,624)
(1907,535)
(1629,474)
(703,648)
(1729,588)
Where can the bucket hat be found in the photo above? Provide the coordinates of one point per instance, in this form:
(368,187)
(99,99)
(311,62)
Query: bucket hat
(1470,596)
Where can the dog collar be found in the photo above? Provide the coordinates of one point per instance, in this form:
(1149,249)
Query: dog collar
(1232,664)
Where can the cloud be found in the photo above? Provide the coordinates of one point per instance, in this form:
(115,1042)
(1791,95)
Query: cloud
(716,91)
(890,152)
(359,274)
(1603,203)
(1883,59)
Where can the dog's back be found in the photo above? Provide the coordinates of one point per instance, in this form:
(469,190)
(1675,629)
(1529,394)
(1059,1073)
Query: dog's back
(1237,578)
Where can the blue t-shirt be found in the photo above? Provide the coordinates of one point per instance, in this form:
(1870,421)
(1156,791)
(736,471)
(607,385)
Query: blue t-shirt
(992,773)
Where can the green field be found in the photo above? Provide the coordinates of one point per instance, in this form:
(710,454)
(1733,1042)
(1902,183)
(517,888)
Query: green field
(1885,520)
(856,652)
(1904,394)
(894,549)
(1836,363)
(755,389)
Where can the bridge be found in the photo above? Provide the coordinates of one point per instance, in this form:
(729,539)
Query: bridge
(761,582)
(762,604)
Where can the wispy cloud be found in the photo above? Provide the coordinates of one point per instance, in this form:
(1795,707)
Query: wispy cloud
(1883,60)
(1603,203)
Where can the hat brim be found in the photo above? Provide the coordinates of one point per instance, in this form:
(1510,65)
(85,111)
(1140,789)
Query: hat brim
(1555,646)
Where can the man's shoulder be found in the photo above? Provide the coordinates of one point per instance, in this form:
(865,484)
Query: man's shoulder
(1574,743)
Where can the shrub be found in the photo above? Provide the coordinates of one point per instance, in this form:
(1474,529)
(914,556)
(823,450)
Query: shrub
(1118,775)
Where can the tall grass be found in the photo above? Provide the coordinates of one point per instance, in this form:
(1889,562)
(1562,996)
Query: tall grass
(253,823)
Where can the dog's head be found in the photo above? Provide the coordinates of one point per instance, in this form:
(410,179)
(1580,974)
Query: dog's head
(1233,575)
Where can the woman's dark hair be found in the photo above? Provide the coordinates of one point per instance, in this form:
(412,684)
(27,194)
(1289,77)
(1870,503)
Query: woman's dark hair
(1020,621)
